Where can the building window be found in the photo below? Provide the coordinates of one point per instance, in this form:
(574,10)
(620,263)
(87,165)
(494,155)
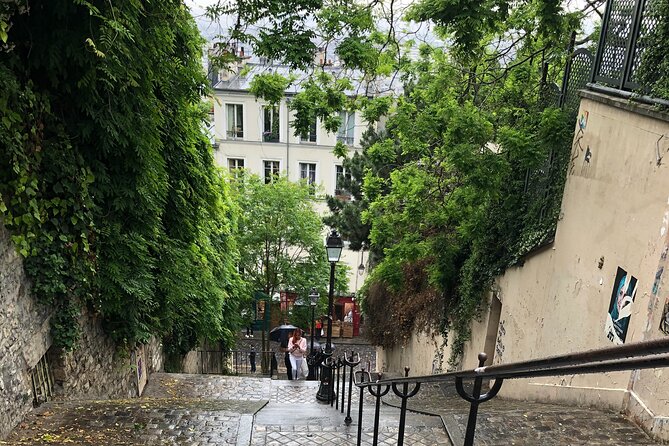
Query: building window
(271,170)
(346,128)
(235,128)
(270,124)
(340,184)
(310,135)
(308,173)
(235,164)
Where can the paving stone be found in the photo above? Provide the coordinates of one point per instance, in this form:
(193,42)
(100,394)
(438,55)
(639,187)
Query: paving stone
(211,387)
(196,410)
(503,422)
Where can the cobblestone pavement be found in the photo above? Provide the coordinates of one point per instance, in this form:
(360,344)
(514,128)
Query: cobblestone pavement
(293,417)
(133,422)
(504,422)
(210,387)
(198,410)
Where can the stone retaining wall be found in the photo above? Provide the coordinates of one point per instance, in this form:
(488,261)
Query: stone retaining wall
(96,369)
(24,336)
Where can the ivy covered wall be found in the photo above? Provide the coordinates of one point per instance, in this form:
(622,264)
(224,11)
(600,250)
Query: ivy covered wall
(107,182)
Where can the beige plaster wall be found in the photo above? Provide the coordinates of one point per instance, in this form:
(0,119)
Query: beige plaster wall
(615,213)
(424,353)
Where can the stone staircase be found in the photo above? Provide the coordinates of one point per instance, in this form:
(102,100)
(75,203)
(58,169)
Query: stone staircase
(198,410)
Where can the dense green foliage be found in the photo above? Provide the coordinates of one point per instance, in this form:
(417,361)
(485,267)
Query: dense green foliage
(107,181)
(467,177)
(282,236)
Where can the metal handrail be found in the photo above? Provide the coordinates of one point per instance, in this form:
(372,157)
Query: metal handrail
(618,358)
(641,355)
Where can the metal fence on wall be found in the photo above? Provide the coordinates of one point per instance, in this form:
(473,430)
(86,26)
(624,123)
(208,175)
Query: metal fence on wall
(623,40)
(577,74)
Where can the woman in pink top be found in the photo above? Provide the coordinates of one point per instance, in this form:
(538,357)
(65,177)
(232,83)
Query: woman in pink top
(297,347)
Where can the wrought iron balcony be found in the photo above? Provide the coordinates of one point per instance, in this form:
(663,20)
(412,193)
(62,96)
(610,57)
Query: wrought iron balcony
(348,140)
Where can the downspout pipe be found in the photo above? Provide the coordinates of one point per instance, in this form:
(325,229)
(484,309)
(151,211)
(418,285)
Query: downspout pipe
(287,138)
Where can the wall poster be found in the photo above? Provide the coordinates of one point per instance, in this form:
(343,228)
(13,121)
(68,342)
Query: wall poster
(620,307)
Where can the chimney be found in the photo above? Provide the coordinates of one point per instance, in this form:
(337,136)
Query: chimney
(320,56)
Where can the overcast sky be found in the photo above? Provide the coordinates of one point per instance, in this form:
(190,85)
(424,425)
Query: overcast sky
(419,31)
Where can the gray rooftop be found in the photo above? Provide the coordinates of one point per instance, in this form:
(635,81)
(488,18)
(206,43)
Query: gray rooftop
(239,83)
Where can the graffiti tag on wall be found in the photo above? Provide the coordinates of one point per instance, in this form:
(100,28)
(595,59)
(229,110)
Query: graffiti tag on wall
(578,147)
(620,307)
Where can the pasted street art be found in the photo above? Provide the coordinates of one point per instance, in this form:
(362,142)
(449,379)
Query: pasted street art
(499,343)
(620,307)
(664,322)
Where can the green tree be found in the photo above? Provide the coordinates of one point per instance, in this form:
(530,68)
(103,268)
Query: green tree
(281,234)
(107,180)
(282,238)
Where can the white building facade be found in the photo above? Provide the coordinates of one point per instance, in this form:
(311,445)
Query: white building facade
(251,134)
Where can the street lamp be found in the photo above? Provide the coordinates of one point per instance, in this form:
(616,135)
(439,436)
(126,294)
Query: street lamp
(333,246)
(361,267)
(313,301)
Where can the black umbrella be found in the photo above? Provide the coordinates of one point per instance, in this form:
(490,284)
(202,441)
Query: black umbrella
(281,332)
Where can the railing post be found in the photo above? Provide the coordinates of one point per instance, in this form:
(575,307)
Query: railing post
(377,407)
(474,405)
(351,363)
(362,397)
(405,395)
(338,365)
(474,401)
(343,384)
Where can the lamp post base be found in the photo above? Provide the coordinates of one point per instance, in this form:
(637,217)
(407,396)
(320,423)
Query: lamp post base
(312,362)
(326,394)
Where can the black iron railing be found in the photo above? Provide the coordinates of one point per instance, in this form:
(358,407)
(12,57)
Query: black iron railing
(643,355)
(627,30)
(236,362)
(625,25)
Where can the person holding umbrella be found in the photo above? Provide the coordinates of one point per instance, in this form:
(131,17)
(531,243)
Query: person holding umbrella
(297,347)
(282,335)
(286,336)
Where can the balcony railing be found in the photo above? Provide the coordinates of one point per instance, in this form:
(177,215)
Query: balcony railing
(270,137)
(643,355)
(348,140)
(235,134)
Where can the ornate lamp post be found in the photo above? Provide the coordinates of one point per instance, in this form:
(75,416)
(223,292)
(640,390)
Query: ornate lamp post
(334,246)
(313,301)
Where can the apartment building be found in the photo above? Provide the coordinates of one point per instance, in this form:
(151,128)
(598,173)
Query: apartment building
(252,134)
